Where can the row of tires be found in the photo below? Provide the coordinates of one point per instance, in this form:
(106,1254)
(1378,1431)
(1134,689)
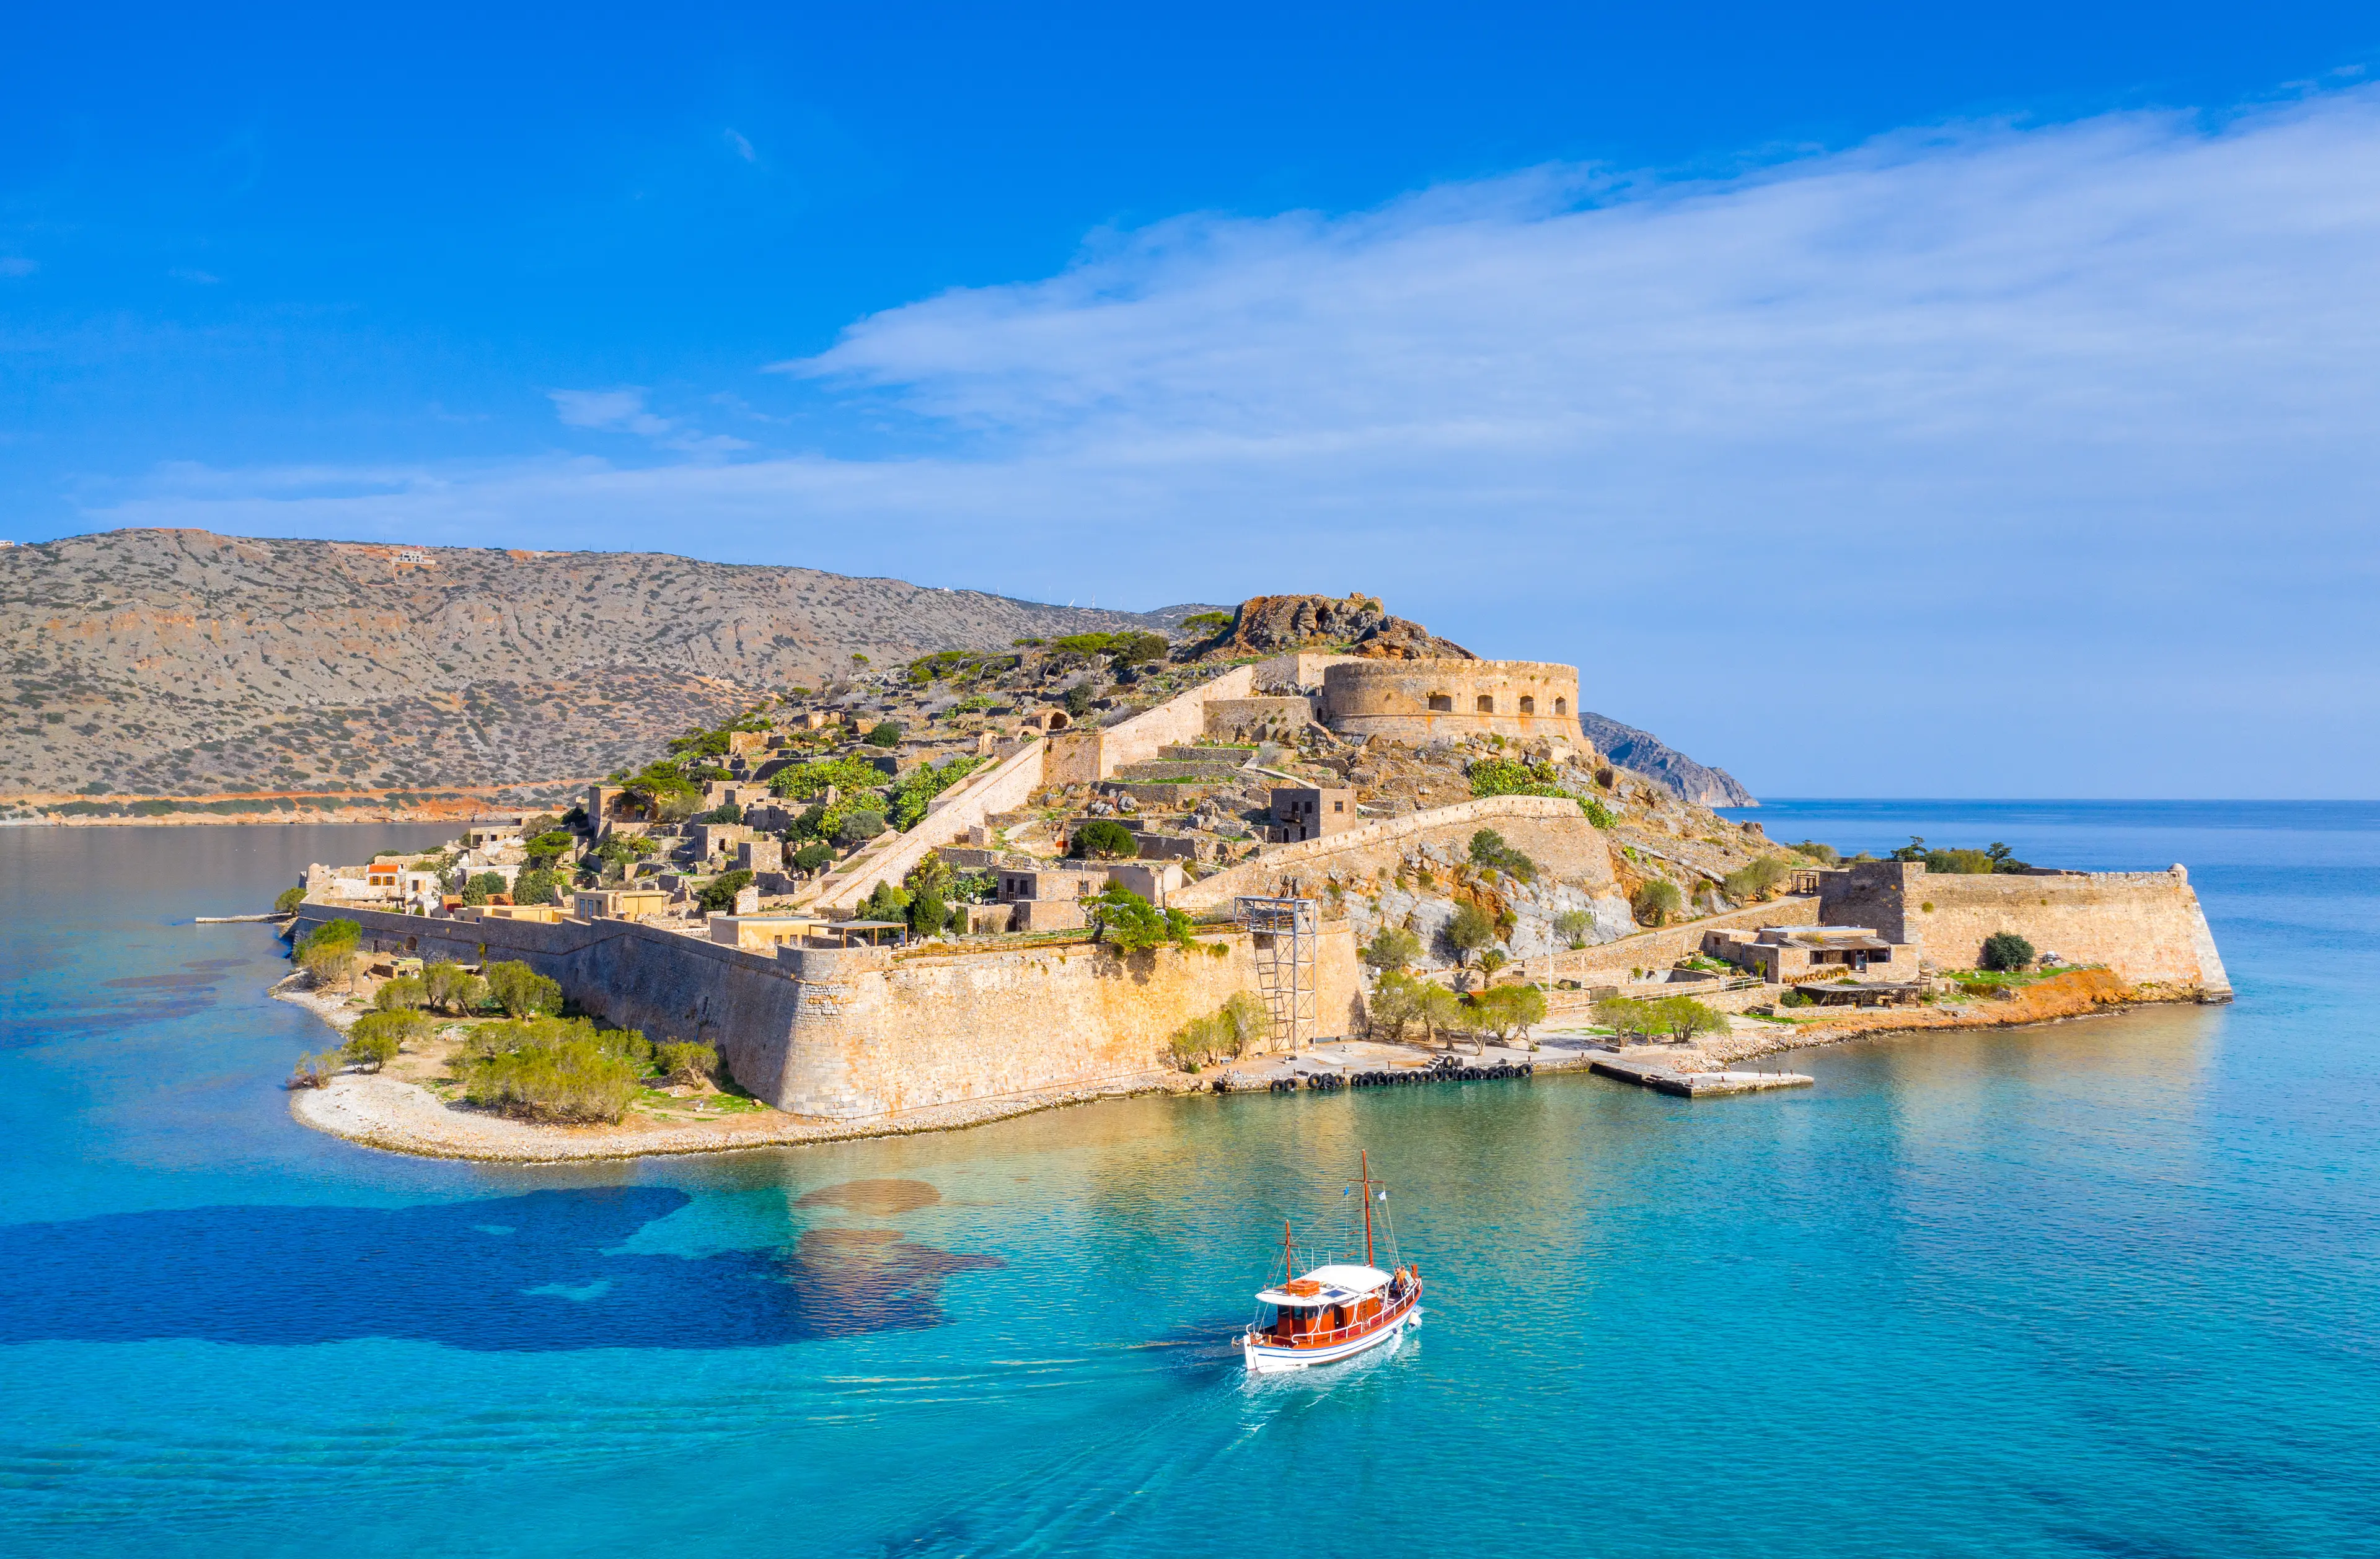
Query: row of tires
(1321,1083)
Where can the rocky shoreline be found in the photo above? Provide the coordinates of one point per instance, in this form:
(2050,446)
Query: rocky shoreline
(398,1116)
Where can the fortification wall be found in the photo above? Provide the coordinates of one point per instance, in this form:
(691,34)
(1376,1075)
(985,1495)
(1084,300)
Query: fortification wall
(858,1033)
(2146,926)
(1298,671)
(1549,829)
(1085,757)
(1419,700)
(907,1033)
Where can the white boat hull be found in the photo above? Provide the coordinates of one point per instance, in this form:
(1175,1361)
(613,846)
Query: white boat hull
(1264,1360)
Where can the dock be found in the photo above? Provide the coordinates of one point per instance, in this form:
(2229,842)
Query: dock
(1664,1079)
(233,920)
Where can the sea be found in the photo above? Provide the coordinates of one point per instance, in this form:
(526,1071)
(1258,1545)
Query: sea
(2102,1288)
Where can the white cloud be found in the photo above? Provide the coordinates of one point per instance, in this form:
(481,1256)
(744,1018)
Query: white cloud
(624,411)
(2083,409)
(741,147)
(18,265)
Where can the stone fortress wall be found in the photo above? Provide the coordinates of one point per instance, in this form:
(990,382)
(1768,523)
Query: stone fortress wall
(853,1033)
(1422,700)
(2146,926)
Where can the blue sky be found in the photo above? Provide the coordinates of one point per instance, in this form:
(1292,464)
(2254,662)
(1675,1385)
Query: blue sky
(2006,371)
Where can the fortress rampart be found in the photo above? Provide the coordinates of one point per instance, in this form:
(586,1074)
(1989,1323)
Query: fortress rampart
(853,1033)
(1549,829)
(2146,926)
(1419,700)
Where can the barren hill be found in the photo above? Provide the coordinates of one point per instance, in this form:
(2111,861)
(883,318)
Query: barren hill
(176,662)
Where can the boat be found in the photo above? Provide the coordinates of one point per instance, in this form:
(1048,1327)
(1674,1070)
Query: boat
(1335,1310)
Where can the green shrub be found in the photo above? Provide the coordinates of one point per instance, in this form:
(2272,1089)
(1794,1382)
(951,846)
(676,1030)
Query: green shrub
(1754,879)
(478,889)
(521,991)
(919,788)
(1625,1017)
(450,987)
(1658,902)
(885,901)
(402,994)
(546,848)
(333,934)
(316,1071)
(1392,948)
(858,826)
(1573,926)
(1492,960)
(369,1051)
(1395,1006)
(1503,1010)
(287,902)
(1488,849)
(718,895)
(813,856)
(1227,1034)
(887,734)
(1130,924)
(1598,813)
(684,1063)
(1682,1016)
(555,1069)
(1825,854)
(537,886)
(849,776)
(2007,951)
(726,812)
(1104,839)
(1959,863)
(927,914)
(1470,930)
(1078,700)
(1207,624)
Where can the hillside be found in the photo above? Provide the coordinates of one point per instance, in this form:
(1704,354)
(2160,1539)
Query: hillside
(156,662)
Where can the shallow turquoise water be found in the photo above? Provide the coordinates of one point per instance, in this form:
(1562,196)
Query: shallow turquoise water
(2099,1288)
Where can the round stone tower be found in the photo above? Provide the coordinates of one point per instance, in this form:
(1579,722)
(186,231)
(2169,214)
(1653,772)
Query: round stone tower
(1417,700)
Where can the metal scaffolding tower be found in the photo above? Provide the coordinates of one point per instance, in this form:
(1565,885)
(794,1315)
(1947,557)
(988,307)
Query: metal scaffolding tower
(1284,932)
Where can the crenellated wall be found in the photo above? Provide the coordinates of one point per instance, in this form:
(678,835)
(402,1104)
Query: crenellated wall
(859,1033)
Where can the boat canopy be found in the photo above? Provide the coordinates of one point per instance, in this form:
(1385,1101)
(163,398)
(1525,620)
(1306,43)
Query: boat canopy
(1329,1285)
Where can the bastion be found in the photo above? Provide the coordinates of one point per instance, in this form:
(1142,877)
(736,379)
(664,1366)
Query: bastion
(1422,700)
(852,1033)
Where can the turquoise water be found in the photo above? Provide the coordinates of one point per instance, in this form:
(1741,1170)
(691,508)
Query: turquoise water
(2104,1287)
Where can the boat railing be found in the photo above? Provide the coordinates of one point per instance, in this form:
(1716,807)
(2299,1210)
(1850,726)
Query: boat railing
(1339,1334)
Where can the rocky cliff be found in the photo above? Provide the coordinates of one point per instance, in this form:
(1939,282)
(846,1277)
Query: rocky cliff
(1649,755)
(180,663)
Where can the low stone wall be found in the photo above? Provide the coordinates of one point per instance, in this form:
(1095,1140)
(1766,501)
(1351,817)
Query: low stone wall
(1370,847)
(859,1033)
(1609,962)
(2146,926)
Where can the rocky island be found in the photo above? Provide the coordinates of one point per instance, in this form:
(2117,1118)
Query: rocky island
(1300,841)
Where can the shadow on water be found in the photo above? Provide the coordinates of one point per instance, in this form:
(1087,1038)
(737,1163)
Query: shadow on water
(528,1273)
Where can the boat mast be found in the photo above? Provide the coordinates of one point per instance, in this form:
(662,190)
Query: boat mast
(1287,1253)
(1365,1159)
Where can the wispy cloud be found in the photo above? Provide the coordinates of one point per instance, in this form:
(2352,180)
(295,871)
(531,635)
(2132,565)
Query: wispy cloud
(741,147)
(196,278)
(18,265)
(624,411)
(2074,408)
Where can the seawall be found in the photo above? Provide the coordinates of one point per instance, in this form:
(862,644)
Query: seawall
(855,1033)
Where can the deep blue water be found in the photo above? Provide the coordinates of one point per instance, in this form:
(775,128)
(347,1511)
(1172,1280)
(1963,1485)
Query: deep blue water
(2103,1288)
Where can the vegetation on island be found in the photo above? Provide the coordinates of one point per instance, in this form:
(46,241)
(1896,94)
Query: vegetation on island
(1677,1016)
(1224,1034)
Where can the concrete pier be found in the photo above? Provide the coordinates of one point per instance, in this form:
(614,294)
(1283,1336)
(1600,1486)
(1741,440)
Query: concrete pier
(1662,1078)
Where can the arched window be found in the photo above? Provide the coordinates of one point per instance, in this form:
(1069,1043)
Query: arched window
(1487,704)
(1562,705)
(1441,703)
(1528,704)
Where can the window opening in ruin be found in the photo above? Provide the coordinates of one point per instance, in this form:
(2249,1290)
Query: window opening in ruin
(1528,704)
(1487,704)
(1441,703)
(1562,705)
